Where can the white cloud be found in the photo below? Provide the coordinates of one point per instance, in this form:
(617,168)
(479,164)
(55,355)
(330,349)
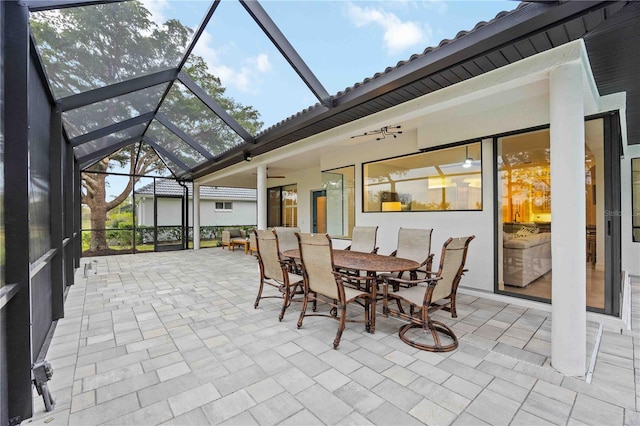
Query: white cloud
(262,63)
(398,35)
(245,78)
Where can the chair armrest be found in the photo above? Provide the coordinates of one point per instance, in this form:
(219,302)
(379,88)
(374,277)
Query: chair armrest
(348,277)
(390,280)
(226,236)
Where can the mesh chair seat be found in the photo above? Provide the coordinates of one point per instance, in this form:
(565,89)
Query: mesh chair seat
(363,239)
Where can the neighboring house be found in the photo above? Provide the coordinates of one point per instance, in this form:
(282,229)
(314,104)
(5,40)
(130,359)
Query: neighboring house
(219,206)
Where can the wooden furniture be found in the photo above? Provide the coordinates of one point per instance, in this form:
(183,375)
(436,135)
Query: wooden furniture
(323,283)
(370,262)
(232,238)
(274,271)
(435,291)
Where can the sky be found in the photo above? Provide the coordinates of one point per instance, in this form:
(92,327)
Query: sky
(342,42)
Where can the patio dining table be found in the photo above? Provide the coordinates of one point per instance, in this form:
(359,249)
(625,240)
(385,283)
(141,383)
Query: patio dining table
(372,263)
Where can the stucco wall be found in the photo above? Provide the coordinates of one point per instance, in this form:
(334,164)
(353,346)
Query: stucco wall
(243,213)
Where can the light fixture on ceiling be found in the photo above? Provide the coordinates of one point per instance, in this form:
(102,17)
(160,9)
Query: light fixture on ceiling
(247,156)
(385,131)
(468,161)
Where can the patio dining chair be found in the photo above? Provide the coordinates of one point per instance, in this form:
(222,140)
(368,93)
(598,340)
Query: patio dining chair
(274,271)
(413,244)
(363,239)
(324,284)
(287,241)
(429,294)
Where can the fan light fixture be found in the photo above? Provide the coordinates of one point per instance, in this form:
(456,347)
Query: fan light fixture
(468,161)
(392,131)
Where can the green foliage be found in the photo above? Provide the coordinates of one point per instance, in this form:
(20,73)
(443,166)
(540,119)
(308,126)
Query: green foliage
(84,48)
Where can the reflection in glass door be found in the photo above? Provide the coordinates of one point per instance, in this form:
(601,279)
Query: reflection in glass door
(319,212)
(525,217)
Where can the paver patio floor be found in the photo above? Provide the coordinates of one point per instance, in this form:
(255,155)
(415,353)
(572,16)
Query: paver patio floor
(173,338)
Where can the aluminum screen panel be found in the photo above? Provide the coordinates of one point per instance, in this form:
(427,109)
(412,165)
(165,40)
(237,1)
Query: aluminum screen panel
(109,140)
(193,117)
(85,48)
(173,144)
(114,110)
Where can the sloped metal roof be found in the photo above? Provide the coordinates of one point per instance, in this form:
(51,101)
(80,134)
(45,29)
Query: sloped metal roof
(171,188)
(529,29)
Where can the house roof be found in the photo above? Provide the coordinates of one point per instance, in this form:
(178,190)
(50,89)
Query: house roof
(531,28)
(171,188)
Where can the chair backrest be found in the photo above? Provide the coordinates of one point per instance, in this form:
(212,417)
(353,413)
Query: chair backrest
(287,237)
(452,259)
(316,255)
(363,239)
(268,255)
(414,244)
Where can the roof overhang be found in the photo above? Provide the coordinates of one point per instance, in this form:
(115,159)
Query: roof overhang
(481,103)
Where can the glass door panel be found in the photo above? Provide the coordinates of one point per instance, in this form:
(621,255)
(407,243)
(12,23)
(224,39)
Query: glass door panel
(525,224)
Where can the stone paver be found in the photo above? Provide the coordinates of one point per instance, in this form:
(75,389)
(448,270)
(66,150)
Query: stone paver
(173,338)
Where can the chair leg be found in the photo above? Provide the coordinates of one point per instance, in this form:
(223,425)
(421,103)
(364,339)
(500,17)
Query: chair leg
(341,324)
(255,305)
(454,313)
(285,302)
(305,300)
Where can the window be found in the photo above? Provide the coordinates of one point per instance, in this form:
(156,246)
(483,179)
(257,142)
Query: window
(224,205)
(443,179)
(282,206)
(339,208)
(635,197)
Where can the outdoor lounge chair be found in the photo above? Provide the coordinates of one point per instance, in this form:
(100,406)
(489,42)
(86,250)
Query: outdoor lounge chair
(274,271)
(428,294)
(323,283)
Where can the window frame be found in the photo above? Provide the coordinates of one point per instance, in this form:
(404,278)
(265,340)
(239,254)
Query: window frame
(478,141)
(224,206)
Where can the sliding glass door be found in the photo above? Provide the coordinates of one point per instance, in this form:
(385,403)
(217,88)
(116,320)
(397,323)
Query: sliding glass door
(525,224)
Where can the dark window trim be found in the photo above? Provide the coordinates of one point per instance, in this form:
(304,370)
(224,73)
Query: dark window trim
(423,151)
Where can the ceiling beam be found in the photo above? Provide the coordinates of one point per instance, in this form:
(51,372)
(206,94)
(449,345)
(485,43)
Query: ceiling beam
(272,31)
(90,159)
(42,5)
(175,160)
(215,107)
(164,120)
(113,128)
(117,89)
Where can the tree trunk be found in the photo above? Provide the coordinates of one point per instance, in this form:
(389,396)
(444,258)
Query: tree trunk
(98,206)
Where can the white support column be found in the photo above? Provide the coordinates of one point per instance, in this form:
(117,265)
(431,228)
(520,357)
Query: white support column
(196,216)
(262,196)
(568,241)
